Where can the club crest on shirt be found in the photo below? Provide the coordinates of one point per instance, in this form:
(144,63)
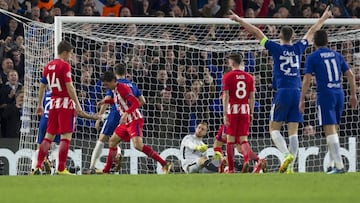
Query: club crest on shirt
(68,74)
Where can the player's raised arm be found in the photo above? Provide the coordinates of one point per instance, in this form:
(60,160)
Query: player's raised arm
(353,98)
(310,34)
(249,27)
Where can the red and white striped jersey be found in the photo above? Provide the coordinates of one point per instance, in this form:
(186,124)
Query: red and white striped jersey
(56,74)
(127,102)
(239,84)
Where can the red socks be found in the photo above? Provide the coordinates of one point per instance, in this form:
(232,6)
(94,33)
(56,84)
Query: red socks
(63,152)
(43,150)
(152,154)
(110,159)
(230,156)
(245,150)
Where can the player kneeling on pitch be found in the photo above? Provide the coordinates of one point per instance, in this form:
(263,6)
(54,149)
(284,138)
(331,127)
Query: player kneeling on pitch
(193,152)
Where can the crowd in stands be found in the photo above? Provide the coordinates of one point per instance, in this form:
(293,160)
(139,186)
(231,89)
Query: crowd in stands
(182,85)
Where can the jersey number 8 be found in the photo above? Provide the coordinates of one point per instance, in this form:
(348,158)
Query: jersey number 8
(240,90)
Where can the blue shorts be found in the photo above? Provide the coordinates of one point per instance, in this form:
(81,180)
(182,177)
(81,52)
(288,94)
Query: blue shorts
(330,107)
(42,131)
(285,107)
(111,123)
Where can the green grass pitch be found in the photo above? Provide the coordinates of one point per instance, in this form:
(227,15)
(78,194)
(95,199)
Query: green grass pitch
(199,188)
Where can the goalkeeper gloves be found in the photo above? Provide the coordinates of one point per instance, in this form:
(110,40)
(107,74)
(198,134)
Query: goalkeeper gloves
(217,155)
(201,148)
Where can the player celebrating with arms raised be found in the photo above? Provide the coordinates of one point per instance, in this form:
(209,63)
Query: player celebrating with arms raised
(287,83)
(238,104)
(327,66)
(57,75)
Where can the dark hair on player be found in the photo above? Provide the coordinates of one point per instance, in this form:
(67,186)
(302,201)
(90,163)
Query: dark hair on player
(64,46)
(237,58)
(320,38)
(120,69)
(286,33)
(108,76)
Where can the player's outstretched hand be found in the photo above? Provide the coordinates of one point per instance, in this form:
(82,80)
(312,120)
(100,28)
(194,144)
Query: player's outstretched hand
(201,148)
(39,110)
(302,106)
(353,101)
(234,17)
(100,103)
(327,13)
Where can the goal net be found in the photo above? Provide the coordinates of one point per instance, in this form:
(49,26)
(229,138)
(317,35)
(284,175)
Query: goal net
(178,66)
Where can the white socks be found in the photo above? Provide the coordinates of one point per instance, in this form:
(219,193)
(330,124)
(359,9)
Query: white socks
(96,153)
(279,141)
(34,159)
(55,156)
(293,147)
(334,149)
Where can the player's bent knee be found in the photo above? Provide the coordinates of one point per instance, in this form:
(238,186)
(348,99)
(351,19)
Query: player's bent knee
(103,138)
(202,160)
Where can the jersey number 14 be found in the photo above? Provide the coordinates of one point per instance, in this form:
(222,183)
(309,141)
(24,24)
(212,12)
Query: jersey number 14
(53,81)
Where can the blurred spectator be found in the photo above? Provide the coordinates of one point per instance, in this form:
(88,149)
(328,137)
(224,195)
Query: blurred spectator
(210,9)
(47,4)
(306,11)
(11,30)
(162,113)
(18,60)
(189,8)
(9,113)
(111,8)
(63,5)
(34,14)
(7,65)
(87,98)
(309,131)
(167,8)
(125,12)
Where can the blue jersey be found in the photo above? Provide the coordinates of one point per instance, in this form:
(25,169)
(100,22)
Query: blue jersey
(44,119)
(287,58)
(46,103)
(328,66)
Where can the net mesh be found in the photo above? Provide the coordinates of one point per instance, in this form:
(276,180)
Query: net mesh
(179,69)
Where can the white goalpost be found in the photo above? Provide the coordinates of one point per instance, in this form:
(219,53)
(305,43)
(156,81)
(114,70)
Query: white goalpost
(178,63)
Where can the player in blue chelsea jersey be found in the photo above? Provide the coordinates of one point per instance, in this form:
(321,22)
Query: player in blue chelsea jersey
(328,66)
(41,135)
(113,118)
(287,83)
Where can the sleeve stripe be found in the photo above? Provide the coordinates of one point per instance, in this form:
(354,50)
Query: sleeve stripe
(263,41)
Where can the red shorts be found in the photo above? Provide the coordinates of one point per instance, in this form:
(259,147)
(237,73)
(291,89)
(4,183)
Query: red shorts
(130,130)
(61,121)
(238,125)
(221,135)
